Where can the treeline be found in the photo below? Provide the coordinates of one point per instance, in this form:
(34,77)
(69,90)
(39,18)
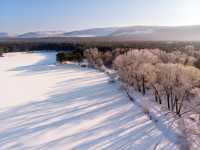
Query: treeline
(173,78)
(103,44)
(26,47)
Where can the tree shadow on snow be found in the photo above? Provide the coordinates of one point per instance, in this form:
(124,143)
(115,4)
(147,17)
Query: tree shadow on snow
(45,65)
(123,126)
(89,116)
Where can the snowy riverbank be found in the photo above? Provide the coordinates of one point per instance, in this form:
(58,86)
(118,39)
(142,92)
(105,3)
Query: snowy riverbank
(48,106)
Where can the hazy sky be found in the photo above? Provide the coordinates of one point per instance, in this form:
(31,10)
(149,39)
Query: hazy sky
(18,16)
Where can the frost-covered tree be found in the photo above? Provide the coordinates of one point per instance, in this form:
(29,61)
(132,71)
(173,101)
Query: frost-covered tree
(177,82)
(108,58)
(135,67)
(171,76)
(94,57)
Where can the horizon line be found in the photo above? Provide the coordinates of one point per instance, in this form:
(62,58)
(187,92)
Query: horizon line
(75,30)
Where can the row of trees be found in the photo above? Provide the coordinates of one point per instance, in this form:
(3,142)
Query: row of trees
(100,57)
(14,45)
(75,56)
(172,77)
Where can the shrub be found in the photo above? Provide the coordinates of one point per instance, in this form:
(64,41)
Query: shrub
(61,57)
(69,56)
(1,52)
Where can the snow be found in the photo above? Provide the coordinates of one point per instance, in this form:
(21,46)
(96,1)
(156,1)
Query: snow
(44,105)
(81,35)
(42,34)
(136,32)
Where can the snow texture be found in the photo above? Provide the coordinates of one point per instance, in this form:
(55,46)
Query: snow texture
(44,105)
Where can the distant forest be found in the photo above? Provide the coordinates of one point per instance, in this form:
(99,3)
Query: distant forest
(80,44)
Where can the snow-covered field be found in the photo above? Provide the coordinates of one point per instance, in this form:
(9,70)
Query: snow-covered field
(64,107)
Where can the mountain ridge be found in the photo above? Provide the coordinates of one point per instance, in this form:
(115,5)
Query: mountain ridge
(153,33)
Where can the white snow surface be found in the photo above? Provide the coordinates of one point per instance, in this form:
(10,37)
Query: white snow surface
(44,105)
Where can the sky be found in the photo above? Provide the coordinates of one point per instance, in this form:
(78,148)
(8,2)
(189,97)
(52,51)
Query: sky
(20,16)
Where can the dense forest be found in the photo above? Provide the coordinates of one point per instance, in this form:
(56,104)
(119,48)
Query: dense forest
(64,44)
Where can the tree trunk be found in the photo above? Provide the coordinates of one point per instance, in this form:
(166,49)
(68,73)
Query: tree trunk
(156,97)
(176,103)
(138,87)
(160,101)
(181,104)
(171,99)
(143,86)
(138,83)
(168,96)
(168,104)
